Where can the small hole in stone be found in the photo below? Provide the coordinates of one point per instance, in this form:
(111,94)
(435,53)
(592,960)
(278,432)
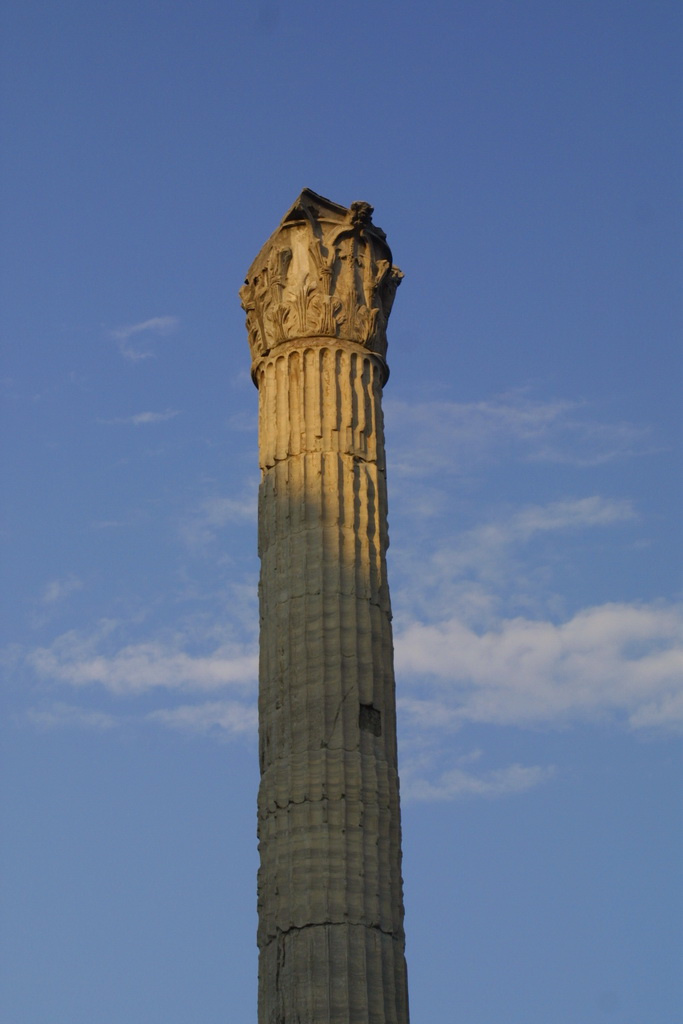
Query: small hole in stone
(370,719)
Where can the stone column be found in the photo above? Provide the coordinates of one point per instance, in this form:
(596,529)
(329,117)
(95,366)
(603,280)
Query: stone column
(331,941)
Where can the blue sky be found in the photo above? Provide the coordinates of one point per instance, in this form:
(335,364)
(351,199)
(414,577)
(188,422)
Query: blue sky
(524,158)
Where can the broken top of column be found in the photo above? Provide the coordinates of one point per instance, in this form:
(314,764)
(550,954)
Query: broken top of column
(325,272)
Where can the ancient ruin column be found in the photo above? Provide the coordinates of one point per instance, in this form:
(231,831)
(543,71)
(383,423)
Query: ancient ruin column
(330,935)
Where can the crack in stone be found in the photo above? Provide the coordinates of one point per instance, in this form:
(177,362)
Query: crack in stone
(312,751)
(369,460)
(270,811)
(324,744)
(284,932)
(340,593)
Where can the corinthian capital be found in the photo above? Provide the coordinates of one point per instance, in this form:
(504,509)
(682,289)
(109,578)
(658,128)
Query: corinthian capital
(326,272)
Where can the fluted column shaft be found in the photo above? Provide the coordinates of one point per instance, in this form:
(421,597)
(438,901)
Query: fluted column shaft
(330,892)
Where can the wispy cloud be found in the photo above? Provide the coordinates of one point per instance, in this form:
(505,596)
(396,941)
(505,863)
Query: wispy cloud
(570,514)
(510,426)
(143,418)
(219,717)
(613,662)
(134,339)
(486,544)
(457,783)
(61,716)
(482,567)
(621,661)
(212,515)
(81,659)
(56,591)
(487,540)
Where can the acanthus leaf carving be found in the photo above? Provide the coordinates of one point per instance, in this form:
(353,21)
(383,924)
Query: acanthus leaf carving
(326,271)
(302,299)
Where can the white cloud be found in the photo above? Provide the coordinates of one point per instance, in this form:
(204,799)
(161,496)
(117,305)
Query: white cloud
(155,324)
(614,660)
(56,591)
(456,783)
(140,419)
(79,660)
(60,716)
(219,717)
(487,542)
(512,426)
(139,348)
(495,561)
(569,515)
(213,514)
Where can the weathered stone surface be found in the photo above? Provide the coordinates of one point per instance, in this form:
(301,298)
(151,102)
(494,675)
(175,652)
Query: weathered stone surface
(325,272)
(330,903)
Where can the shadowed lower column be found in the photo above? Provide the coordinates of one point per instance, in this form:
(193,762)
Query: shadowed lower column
(330,903)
